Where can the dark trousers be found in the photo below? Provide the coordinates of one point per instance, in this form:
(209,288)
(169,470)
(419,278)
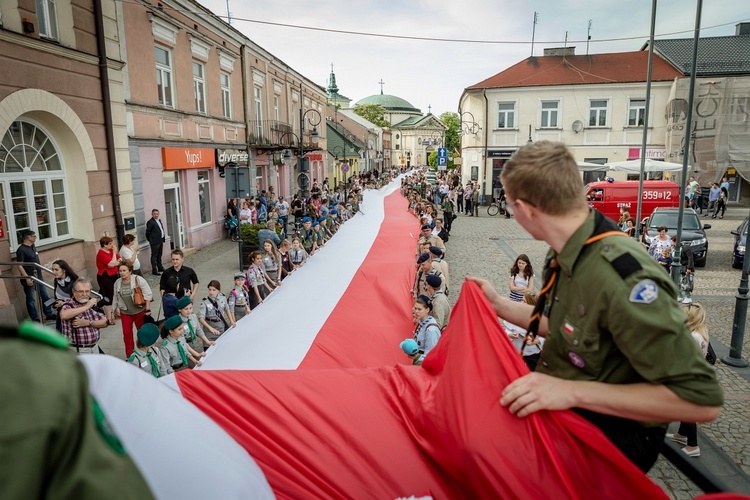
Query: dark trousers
(468,207)
(460,203)
(31,301)
(156,265)
(448,219)
(690,431)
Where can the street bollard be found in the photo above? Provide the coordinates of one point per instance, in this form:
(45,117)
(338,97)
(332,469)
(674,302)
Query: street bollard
(740,316)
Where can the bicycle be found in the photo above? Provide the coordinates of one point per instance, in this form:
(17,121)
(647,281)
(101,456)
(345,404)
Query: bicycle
(496,208)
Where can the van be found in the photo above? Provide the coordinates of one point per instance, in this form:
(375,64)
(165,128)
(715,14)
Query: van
(608,197)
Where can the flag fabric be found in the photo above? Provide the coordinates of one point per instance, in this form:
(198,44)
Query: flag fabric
(316,400)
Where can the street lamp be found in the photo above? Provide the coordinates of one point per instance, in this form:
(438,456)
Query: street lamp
(343,166)
(469,125)
(303,163)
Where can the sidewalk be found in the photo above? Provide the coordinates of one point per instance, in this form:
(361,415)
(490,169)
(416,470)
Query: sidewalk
(219,261)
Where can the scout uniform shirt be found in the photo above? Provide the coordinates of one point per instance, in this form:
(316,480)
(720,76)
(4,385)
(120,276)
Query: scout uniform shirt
(613,318)
(150,361)
(54,437)
(175,351)
(238,300)
(193,331)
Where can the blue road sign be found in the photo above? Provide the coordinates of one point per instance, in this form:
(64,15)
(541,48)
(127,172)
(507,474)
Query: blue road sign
(442,152)
(442,161)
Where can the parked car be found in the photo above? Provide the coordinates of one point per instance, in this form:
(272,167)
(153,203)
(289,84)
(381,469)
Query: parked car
(693,232)
(740,243)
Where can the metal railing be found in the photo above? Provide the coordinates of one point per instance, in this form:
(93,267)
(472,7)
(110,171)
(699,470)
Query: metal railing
(270,133)
(37,282)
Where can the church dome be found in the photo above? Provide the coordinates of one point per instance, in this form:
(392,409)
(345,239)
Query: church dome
(389,102)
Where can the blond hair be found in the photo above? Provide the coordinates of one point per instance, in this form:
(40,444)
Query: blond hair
(545,175)
(696,319)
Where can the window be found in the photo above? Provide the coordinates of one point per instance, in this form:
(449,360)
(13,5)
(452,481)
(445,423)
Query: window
(506,112)
(46,16)
(204,196)
(164,76)
(636,112)
(549,114)
(226,95)
(258,93)
(199,84)
(276,108)
(32,181)
(598,113)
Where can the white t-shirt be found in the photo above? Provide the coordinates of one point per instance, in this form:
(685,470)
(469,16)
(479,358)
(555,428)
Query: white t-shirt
(283,208)
(127,254)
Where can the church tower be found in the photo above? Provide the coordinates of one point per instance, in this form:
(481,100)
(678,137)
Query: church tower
(334,98)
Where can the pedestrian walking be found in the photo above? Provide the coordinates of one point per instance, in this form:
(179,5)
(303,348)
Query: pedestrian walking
(132,302)
(26,252)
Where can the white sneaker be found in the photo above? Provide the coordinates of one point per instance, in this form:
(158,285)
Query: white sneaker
(692,453)
(677,439)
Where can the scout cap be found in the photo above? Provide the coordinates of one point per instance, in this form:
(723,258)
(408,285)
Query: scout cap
(434,280)
(426,226)
(306,219)
(436,251)
(183,302)
(172,323)
(148,334)
(410,347)
(422,258)
(238,276)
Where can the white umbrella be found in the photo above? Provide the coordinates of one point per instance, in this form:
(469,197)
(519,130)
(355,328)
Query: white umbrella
(634,166)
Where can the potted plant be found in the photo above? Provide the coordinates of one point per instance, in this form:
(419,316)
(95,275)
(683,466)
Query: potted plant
(249,236)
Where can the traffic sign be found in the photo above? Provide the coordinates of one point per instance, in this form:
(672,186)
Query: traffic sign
(345,167)
(442,152)
(442,161)
(303,181)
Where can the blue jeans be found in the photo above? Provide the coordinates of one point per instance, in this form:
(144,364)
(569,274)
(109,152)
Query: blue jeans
(31,301)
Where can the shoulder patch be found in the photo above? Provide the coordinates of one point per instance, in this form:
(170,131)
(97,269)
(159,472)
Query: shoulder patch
(625,265)
(644,292)
(164,342)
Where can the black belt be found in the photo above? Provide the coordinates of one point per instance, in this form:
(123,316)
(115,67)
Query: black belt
(177,367)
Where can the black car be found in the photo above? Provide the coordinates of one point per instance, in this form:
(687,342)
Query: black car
(693,232)
(740,243)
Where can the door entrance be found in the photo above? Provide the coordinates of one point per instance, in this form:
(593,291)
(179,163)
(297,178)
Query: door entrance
(174,217)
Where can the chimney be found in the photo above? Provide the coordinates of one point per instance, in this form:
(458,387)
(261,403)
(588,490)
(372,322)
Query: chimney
(561,51)
(742,29)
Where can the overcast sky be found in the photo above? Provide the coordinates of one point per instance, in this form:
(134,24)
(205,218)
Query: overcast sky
(435,73)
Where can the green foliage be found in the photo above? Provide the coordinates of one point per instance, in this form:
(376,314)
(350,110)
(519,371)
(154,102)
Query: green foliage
(452,137)
(249,234)
(432,160)
(374,113)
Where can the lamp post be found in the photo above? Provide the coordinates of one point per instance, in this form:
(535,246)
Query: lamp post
(303,163)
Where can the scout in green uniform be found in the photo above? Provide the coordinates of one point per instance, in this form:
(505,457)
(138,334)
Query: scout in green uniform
(193,331)
(618,349)
(179,355)
(55,441)
(147,357)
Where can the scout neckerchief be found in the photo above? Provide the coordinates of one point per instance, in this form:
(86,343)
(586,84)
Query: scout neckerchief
(183,355)
(603,228)
(192,332)
(154,365)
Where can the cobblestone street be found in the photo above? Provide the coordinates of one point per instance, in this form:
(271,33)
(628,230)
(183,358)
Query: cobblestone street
(487,246)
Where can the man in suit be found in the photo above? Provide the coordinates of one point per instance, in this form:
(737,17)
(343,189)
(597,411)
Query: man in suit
(156,237)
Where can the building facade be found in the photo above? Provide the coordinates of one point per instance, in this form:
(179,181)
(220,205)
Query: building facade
(62,174)
(595,104)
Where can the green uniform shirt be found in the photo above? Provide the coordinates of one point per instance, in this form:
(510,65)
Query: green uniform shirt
(617,329)
(51,443)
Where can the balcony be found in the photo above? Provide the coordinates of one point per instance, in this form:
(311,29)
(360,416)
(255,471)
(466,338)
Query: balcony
(271,134)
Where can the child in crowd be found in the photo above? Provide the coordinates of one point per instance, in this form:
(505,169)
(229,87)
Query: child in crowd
(532,348)
(521,278)
(192,329)
(298,255)
(214,314)
(179,355)
(147,357)
(239,298)
(687,434)
(286,260)
(666,259)
(271,264)
(256,280)
(318,234)
(411,349)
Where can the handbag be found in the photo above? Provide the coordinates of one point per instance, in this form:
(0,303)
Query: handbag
(711,354)
(138,298)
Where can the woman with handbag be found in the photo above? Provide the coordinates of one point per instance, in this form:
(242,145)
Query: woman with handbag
(132,300)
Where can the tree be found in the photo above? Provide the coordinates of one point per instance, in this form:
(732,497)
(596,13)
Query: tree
(374,113)
(452,138)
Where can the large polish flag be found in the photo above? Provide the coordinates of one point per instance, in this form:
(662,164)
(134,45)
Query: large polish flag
(319,402)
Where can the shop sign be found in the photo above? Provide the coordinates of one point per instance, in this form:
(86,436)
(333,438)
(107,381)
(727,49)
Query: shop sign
(652,154)
(185,158)
(500,153)
(239,157)
(315,156)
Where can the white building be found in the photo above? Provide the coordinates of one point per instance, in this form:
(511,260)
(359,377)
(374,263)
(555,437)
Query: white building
(595,104)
